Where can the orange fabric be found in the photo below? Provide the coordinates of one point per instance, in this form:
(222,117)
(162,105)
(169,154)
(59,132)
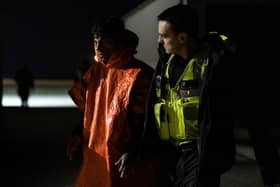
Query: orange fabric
(106,94)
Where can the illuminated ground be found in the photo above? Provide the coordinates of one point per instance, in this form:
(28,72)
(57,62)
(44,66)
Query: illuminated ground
(46,93)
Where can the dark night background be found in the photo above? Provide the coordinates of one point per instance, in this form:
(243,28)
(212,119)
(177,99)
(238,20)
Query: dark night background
(254,25)
(53,38)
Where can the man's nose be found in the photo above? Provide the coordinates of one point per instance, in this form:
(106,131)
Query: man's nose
(160,41)
(98,45)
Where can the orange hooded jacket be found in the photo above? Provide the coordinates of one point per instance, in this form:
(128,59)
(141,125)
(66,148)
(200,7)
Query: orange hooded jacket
(107,94)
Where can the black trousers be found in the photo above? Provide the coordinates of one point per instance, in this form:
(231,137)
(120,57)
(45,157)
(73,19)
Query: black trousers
(179,168)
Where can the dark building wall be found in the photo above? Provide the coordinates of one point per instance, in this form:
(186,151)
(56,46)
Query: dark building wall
(52,37)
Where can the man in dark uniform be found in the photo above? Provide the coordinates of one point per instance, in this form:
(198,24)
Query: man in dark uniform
(189,120)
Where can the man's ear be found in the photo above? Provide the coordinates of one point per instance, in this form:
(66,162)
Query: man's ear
(183,37)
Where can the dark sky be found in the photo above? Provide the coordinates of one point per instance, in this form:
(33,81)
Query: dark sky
(51,36)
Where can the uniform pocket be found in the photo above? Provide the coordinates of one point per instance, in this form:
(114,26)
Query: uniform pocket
(161,120)
(189,112)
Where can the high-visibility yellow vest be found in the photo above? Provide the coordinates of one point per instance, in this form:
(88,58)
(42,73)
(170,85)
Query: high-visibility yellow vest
(177,114)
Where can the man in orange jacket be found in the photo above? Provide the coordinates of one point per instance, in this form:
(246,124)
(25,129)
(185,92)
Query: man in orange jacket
(112,96)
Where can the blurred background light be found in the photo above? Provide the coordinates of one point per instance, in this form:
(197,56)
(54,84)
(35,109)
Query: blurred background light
(46,93)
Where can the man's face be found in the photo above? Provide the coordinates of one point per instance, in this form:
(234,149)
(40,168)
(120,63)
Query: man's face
(168,37)
(104,48)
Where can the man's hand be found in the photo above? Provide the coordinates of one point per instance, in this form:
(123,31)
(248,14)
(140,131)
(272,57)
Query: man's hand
(122,164)
(73,146)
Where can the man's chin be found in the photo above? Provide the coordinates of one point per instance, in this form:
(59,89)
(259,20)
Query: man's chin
(102,60)
(167,51)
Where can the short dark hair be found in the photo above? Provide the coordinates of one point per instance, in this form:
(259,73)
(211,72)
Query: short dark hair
(183,18)
(109,26)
